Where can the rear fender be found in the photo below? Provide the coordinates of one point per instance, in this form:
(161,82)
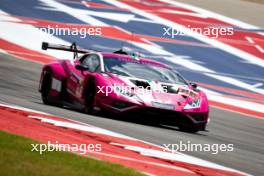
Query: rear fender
(58,75)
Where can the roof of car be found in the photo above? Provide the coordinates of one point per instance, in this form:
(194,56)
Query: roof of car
(129,57)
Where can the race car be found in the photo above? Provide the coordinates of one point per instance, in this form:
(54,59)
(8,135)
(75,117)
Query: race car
(122,83)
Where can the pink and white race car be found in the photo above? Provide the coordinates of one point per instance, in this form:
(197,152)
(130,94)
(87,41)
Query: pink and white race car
(122,83)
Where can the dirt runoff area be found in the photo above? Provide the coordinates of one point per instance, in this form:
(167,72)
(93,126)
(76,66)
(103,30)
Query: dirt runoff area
(249,11)
(256,1)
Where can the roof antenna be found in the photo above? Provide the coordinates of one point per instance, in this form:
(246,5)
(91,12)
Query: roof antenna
(122,45)
(135,54)
(121,50)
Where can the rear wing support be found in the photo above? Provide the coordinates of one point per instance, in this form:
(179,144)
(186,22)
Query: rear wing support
(72,48)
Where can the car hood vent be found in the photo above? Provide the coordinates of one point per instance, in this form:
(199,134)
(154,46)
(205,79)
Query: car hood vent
(141,84)
(170,88)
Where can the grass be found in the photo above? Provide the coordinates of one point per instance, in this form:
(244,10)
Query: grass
(16,158)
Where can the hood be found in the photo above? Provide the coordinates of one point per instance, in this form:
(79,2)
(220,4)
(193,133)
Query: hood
(159,93)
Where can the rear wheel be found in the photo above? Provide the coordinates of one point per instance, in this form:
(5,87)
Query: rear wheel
(46,87)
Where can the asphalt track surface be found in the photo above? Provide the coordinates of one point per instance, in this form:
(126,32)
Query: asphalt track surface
(19,83)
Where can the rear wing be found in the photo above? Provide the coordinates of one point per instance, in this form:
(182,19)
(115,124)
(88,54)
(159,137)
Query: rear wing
(72,48)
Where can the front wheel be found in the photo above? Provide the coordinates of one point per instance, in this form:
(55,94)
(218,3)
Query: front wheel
(188,129)
(186,125)
(90,97)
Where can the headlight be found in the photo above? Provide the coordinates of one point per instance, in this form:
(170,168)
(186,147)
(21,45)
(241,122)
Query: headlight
(193,104)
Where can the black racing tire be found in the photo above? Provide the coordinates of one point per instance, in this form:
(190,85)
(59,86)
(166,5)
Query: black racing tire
(186,126)
(188,129)
(46,87)
(90,96)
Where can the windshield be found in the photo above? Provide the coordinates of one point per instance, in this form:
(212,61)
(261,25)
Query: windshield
(142,70)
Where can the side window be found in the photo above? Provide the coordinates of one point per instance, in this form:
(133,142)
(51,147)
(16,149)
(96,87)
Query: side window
(92,61)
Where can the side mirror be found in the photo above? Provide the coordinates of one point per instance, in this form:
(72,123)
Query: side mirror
(81,67)
(194,85)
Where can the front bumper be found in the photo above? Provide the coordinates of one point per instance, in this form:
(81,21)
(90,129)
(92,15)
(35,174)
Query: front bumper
(199,119)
